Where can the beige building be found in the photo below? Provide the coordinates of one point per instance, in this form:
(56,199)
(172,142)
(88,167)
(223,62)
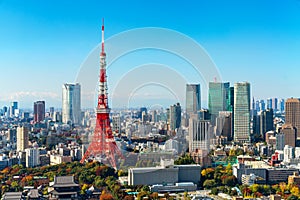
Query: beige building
(290,134)
(292,113)
(22,138)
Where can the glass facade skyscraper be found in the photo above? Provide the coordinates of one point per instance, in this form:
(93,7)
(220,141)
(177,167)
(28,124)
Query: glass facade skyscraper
(242,112)
(218,99)
(71,103)
(193,98)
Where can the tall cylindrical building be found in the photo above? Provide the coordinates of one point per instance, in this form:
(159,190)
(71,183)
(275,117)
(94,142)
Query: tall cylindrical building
(71,103)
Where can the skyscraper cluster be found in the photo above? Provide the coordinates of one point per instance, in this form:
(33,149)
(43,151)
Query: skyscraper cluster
(227,117)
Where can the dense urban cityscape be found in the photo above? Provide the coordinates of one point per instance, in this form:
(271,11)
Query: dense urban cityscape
(235,148)
(238,146)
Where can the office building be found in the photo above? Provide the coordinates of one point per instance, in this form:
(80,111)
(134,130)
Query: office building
(167,173)
(262,105)
(22,138)
(39,111)
(175,116)
(12,109)
(199,135)
(275,104)
(290,133)
(265,120)
(281,105)
(269,103)
(230,102)
(292,113)
(288,153)
(193,98)
(224,124)
(71,103)
(218,95)
(32,157)
(242,112)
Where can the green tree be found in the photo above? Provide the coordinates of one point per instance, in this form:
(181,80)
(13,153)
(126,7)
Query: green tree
(210,183)
(184,160)
(214,191)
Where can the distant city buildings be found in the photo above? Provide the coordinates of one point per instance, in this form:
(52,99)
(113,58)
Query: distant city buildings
(242,112)
(13,108)
(71,103)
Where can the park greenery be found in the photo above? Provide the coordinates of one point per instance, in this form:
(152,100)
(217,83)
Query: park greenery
(94,174)
(221,179)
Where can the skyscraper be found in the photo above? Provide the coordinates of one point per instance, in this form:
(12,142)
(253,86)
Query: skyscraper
(22,138)
(262,105)
(230,102)
(217,99)
(39,111)
(242,112)
(71,103)
(269,103)
(281,104)
(175,116)
(193,98)
(275,104)
(266,122)
(13,107)
(292,113)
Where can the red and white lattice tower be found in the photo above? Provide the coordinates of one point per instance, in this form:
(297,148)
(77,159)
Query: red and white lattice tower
(103,144)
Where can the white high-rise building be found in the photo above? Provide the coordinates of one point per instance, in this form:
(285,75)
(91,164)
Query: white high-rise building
(288,153)
(71,103)
(32,157)
(22,138)
(241,112)
(199,134)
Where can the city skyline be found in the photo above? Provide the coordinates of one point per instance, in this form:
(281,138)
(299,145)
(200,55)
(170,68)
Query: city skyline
(43,41)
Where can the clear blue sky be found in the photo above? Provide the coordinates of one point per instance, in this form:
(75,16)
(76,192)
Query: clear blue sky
(43,43)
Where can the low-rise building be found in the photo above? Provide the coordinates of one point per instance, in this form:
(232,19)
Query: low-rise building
(164,174)
(64,187)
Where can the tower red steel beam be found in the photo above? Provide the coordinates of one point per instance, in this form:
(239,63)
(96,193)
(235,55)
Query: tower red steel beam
(103,144)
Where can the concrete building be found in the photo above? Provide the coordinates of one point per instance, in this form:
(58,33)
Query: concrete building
(175,116)
(280,141)
(12,108)
(22,138)
(288,153)
(32,157)
(242,112)
(290,134)
(193,98)
(199,135)
(265,121)
(71,103)
(292,113)
(164,174)
(224,125)
(39,111)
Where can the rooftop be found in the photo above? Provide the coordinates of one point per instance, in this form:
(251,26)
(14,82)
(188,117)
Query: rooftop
(64,181)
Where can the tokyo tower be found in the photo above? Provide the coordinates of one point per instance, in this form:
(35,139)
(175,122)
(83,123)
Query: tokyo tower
(103,144)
